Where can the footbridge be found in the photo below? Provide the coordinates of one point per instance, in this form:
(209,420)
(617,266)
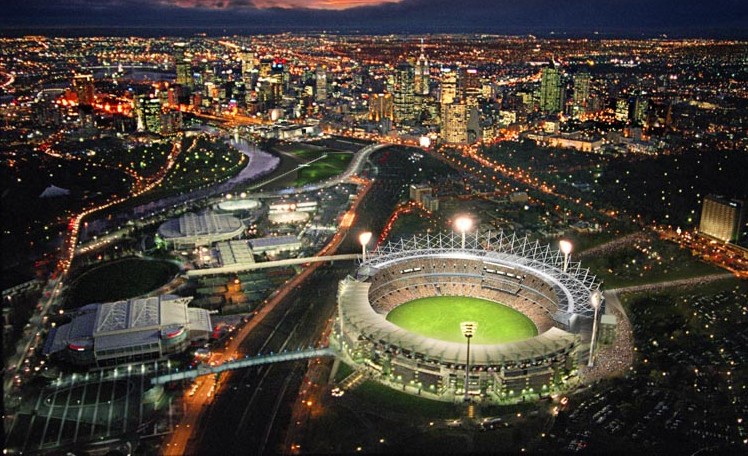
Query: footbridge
(242,363)
(239,267)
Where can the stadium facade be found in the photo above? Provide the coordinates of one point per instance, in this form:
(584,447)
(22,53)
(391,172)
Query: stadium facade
(128,331)
(524,275)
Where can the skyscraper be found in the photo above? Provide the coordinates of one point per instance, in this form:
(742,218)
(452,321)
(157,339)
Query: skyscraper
(550,90)
(581,94)
(404,87)
(422,74)
(380,107)
(321,83)
(83,84)
(448,86)
(183,67)
(454,123)
(721,218)
(148,111)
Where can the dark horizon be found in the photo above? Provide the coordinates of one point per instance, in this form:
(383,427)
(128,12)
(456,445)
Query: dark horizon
(576,18)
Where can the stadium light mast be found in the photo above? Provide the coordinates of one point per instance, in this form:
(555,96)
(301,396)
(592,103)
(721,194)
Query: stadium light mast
(364,239)
(595,299)
(463,225)
(468,330)
(566,248)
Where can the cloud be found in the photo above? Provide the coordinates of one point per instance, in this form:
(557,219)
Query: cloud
(280,4)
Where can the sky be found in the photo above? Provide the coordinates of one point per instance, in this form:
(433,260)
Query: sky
(573,17)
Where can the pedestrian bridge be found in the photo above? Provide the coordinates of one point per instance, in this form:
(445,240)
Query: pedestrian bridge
(239,267)
(242,363)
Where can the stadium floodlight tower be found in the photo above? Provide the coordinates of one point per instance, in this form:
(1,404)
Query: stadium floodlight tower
(595,299)
(566,247)
(463,225)
(364,239)
(468,330)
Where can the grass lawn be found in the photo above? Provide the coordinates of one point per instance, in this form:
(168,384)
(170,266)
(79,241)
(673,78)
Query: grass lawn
(439,317)
(119,279)
(332,165)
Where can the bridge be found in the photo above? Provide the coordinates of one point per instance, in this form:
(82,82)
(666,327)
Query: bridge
(242,363)
(239,267)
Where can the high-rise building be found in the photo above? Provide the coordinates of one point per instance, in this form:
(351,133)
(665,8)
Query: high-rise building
(454,123)
(722,218)
(83,84)
(622,109)
(248,63)
(321,83)
(422,74)
(404,91)
(472,87)
(581,94)
(550,90)
(380,107)
(448,86)
(183,67)
(148,111)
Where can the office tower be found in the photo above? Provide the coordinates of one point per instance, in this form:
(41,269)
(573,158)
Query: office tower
(83,84)
(622,109)
(422,74)
(148,111)
(183,67)
(279,72)
(448,86)
(380,107)
(403,90)
(472,87)
(550,91)
(722,218)
(248,63)
(581,94)
(641,109)
(321,83)
(454,123)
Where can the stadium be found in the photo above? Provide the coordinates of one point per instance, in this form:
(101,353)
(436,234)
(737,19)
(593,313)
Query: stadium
(401,318)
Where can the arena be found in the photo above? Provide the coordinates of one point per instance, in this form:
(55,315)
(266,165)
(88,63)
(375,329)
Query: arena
(526,277)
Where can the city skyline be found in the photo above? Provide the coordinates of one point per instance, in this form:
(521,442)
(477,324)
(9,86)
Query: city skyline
(722,18)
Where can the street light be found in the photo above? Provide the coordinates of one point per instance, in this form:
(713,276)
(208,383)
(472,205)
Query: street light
(364,239)
(566,247)
(463,224)
(468,329)
(596,299)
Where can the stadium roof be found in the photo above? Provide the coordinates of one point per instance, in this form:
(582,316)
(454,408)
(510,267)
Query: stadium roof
(192,225)
(573,287)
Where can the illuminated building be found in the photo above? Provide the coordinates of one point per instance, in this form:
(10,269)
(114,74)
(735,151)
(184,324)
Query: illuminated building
(83,84)
(550,90)
(422,76)
(321,84)
(183,67)
(148,111)
(622,109)
(581,94)
(721,218)
(380,107)
(448,86)
(514,272)
(472,87)
(127,331)
(454,123)
(404,86)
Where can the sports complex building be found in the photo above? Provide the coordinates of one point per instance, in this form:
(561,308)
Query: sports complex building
(191,229)
(128,331)
(523,280)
